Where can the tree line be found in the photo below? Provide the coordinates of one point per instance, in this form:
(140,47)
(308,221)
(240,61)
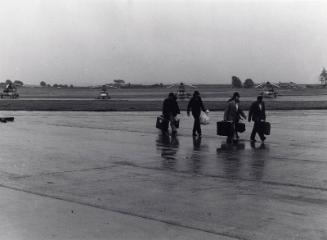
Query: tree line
(237,83)
(16,83)
(44,84)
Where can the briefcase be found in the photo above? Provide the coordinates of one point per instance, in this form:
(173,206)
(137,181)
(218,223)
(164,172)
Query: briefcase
(240,127)
(265,128)
(224,128)
(162,123)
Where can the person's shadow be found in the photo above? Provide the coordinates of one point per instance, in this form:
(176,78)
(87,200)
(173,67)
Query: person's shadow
(197,143)
(168,146)
(230,153)
(258,160)
(196,161)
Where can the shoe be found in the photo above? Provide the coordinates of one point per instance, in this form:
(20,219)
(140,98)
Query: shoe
(253,140)
(263,139)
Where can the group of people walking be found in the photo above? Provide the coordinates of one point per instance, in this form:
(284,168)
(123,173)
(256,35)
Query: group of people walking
(233,113)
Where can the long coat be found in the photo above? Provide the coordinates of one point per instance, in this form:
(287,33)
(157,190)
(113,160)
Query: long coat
(232,113)
(170,107)
(256,114)
(196,105)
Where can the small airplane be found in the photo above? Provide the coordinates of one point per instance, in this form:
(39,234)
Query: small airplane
(268,89)
(10,91)
(181,91)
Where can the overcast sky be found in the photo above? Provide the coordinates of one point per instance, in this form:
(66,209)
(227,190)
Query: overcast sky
(84,42)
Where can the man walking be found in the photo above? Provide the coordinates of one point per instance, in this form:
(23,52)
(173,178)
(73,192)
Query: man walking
(196,105)
(170,110)
(257,114)
(233,113)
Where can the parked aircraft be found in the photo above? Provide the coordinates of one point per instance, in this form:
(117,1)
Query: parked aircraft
(268,89)
(181,90)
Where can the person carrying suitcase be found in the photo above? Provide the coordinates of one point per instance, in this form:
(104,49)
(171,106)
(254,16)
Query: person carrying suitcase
(195,105)
(170,109)
(257,114)
(233,113)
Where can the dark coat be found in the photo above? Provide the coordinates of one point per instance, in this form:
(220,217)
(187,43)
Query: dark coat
(255,114)
(196,105)
(170,107)
(232,113)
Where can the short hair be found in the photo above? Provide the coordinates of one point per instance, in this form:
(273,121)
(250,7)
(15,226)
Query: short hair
(235,94)
(259,97)
(196,93)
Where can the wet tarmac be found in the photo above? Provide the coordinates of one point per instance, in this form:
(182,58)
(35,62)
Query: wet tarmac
(112,175)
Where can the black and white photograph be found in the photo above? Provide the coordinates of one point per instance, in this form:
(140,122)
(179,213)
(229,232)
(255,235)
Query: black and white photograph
(163,119)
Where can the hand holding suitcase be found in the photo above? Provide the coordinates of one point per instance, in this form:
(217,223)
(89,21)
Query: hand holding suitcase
(162,123)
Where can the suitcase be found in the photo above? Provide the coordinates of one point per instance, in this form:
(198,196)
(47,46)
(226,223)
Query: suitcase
(162,123)
(240,127)
(265,128)
(224,128)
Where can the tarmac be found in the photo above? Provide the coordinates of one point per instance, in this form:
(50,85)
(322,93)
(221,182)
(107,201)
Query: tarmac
(112,175)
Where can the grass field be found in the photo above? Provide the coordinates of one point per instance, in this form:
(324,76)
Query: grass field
(160,93)
(150,99)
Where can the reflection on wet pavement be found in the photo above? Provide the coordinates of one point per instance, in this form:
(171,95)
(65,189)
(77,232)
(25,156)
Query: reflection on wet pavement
(168,145)
(119,162)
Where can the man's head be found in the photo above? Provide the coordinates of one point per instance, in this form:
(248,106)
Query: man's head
(196,94)
(171,95)
(236,96)
(259,98)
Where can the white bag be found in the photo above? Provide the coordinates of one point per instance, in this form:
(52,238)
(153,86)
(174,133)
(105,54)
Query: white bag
(204,118)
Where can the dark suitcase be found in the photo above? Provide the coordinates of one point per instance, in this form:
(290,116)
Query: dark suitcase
(240,127)
(162,123)
(265,128)
(224,128)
